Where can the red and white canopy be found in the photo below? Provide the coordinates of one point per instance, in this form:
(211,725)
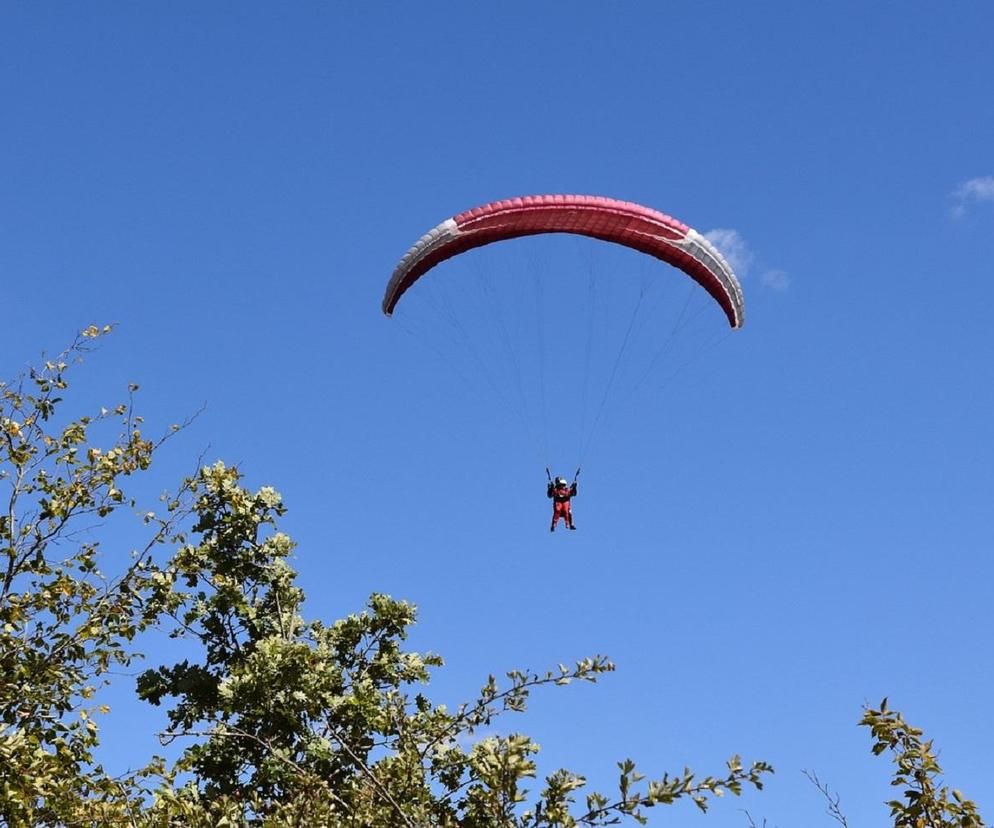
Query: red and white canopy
(621,222)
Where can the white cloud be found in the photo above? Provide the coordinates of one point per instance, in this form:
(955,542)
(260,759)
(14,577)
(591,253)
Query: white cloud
(973,191)
(734,248)
(777,280)
(740,256)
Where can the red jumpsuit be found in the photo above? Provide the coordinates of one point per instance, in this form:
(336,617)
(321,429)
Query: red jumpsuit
(560,504)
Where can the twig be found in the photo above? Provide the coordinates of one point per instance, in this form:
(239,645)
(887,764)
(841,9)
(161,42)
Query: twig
(372,777)
(833,809)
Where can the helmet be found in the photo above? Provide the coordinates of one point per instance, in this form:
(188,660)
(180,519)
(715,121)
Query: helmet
(561,481)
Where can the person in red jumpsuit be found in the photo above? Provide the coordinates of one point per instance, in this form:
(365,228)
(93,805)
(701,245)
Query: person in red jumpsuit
(561,492)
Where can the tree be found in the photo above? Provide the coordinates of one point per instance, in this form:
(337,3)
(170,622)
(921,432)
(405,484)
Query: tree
(285,721)
(63,623)
(926,803)
(292,722)
(325,718)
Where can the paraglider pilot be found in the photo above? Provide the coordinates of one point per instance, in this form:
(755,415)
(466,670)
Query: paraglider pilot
(561,492)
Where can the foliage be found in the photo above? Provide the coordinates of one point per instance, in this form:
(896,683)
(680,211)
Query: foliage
(284,721)
(327,717)
(63,623)
(291,722)
(926,802)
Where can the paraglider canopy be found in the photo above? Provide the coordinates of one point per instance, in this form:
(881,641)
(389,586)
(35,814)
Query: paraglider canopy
(622,222)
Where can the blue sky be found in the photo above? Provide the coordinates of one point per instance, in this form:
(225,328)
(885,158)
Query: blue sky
(797,523)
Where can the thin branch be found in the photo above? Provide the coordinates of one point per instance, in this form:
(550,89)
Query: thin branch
(231,732)
(482,704)
(372,777)
(833,809)
(751,821)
